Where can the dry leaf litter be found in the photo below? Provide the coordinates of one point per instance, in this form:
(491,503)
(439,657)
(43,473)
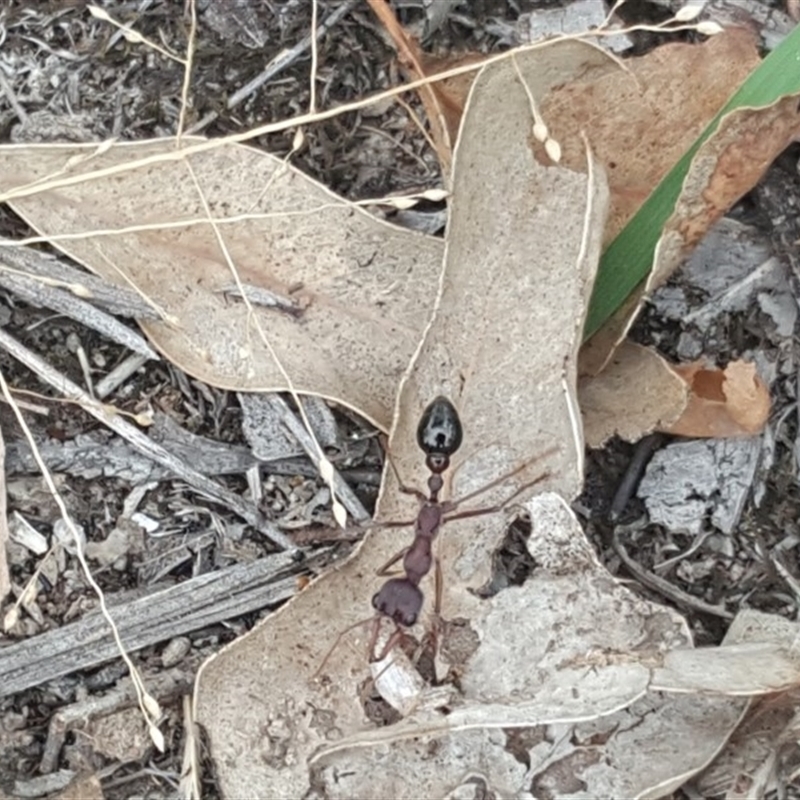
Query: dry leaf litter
(69,78)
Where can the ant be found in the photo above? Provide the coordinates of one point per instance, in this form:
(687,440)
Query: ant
(439,435)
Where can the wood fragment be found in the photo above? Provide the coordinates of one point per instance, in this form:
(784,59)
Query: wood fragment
(663,586)
(108,383)
(188,606)
(112,298)
(200,483)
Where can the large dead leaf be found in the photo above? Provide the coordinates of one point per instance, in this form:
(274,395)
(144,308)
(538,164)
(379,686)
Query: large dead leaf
(358,291)
(523,242)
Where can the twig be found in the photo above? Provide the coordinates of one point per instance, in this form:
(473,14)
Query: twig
(5,87)
(118,375)
(187,71)
(665,587)
(298,430)
(312,37)
(144,444)
(278,64)
(633,474)
(42,294)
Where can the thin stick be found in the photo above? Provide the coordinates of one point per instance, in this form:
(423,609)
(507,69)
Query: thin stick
(664,587)
(187,72)
(312,102)
(343,491)
(144,444)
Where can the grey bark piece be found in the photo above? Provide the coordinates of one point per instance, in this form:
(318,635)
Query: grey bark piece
(97,454)
(44,295)
(190,605)
(88,456)
(577,17)
(687,481)
(727,254)
(266,432)
(113,299)
(43,785)
(206,455)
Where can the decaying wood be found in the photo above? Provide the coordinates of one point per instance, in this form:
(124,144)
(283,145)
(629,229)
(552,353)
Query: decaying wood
(94,454)
(198,602)
(113,299)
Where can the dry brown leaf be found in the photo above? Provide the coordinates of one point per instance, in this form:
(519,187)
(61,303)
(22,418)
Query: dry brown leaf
(640,392)
(727,166)
(358,292)
(637,393)
(722,402)
(639,120)
(524,240)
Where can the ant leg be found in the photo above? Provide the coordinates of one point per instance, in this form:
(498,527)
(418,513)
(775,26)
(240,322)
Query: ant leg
(431,637)
(384,570)
(402,487)
(336,643)
(438,583)
(451,505)
(396,637)
(478,512)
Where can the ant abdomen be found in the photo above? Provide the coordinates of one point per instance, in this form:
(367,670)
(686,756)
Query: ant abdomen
(439,432)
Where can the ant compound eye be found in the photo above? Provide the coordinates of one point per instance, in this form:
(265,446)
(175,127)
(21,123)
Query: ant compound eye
(407,620)
(439,432)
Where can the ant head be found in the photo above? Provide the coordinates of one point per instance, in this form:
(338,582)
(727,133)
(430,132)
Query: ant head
(439,432)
